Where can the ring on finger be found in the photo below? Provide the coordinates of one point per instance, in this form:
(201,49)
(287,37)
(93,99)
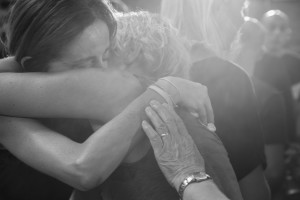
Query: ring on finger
(164,134)
(163,130)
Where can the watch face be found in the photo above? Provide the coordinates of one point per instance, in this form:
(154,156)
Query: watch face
(200,174)
(195,177)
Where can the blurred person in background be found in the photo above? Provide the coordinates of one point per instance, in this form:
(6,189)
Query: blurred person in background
(277,67)
(245,50)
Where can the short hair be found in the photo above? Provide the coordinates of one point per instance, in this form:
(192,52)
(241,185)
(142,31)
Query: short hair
(277,13)
(199,20)
(41,29)
(251,34)
(156,39)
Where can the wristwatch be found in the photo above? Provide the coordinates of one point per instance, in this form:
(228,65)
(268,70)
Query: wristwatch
(195,177)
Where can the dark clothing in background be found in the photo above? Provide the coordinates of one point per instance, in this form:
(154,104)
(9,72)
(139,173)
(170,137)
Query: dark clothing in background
(272,112)
(18,181)
(273,71)
(236,113)
(292,65)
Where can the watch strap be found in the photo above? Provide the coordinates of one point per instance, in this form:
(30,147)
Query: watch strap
(193,178)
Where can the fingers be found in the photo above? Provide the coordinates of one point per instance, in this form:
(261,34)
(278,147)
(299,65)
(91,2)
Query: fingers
(200,114)
(209,111)
(159,125)
(154,137)
(164,113)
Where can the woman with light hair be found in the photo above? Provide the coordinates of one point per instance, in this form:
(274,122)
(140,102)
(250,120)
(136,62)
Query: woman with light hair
(206,21)
(212,25)
(150,48)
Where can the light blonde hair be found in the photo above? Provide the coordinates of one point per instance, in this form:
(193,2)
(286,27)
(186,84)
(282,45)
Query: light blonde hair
(154,38)
(198,20)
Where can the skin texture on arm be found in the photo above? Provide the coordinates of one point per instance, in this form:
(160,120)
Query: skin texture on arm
(203,191)
(82,166)
(88,93)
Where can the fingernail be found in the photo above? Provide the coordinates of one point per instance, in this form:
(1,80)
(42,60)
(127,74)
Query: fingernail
(148,110)
(211,127)
(145,124)
(154,103)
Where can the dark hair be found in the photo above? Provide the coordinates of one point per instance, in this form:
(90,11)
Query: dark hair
(42,28)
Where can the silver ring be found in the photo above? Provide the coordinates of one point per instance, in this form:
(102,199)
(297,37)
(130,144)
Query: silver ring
(163,130)
(164,134)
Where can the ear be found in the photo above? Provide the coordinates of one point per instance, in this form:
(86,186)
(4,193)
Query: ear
(24,59)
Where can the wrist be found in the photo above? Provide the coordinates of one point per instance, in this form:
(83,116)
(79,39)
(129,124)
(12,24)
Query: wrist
(170,88)
(179,179)
(203,190)
(196,177)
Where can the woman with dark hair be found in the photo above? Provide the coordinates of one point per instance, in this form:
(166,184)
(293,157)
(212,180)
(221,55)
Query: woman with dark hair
(34,27)
(83,46)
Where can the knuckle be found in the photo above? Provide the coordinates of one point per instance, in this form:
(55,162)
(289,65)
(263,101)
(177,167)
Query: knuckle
(169,122)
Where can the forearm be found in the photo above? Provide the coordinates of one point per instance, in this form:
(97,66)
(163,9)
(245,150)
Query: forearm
(206,190)
(41,148)
(89,93)
(83,166)
(116,138)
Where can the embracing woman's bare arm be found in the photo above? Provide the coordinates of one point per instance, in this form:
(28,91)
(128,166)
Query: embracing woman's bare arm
(88,93)
(91,162)
(83,166)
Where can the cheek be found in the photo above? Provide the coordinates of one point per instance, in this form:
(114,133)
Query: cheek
(115,62)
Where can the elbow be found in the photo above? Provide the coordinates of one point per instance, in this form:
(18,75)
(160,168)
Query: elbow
(87,182)
(85,177)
